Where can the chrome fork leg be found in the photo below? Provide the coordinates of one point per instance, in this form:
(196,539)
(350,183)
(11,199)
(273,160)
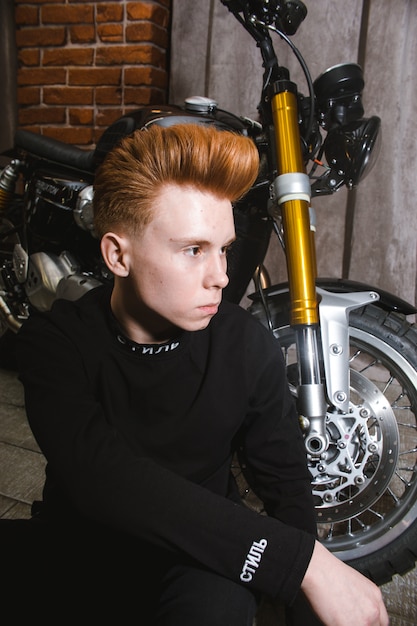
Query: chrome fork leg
(331,358)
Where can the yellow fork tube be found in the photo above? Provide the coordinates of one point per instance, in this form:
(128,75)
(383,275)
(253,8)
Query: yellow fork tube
(298,237)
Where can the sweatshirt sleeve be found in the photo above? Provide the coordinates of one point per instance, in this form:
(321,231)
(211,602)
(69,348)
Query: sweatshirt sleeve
(273,450)
(107,483)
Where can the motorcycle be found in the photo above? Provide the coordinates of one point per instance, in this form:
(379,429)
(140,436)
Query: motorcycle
(350,352)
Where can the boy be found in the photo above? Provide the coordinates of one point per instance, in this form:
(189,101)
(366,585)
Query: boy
(140,395)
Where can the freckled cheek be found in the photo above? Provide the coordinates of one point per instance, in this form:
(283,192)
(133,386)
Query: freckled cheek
(157,275)
(172,277)
(167,279)
(156,280)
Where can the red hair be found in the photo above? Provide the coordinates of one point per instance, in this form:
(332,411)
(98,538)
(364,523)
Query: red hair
(127,184)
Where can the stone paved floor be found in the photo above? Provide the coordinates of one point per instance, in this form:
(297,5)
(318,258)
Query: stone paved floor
(21,479)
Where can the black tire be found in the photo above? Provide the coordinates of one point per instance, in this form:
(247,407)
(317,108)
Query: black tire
(372,525)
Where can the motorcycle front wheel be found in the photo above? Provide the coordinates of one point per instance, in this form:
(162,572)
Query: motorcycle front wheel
(366,490)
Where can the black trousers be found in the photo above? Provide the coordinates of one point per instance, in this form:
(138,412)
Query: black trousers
(67,575)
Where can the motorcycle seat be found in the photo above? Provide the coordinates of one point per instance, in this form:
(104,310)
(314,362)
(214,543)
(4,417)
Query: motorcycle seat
(55,150)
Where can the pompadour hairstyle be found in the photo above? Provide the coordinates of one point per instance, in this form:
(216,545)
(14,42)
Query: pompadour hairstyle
(127,183)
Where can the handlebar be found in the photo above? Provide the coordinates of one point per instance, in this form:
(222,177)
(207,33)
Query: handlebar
(285,16)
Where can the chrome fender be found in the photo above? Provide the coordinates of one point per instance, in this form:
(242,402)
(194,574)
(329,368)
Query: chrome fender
(336,299)
(387,301)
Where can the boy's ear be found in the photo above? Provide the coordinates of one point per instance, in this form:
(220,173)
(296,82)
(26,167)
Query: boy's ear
(114,249)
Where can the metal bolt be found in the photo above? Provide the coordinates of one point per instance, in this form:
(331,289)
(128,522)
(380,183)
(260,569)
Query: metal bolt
(340,396)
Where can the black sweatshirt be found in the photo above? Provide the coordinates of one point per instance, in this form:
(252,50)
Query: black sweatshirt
(140,438)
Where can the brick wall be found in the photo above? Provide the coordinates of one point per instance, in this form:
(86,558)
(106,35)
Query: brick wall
(82,64)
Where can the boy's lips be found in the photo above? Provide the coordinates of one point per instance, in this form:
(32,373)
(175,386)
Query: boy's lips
(210,309)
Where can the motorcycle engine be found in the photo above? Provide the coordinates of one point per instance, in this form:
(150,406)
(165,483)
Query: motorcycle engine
(48,277)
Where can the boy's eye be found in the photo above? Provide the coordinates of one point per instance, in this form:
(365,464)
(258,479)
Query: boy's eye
(192,251)
(227,249)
